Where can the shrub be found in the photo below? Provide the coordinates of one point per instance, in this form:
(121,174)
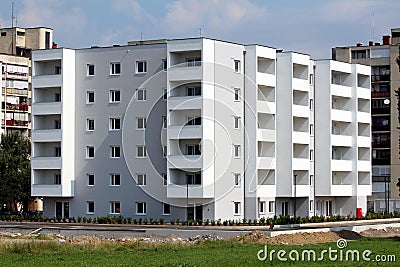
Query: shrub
(172,222)
(145,221)
(161,221)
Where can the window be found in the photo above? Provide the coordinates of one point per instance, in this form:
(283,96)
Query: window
(115,152)
(311,78)
(193,61)
(3,34)
(165,93)
(115,179)
(90,70)
(237,94)
(285,208)
(261,208)
(164,64)
(359,54)
(90,207)
(311,104)
(141,94)
(236,208)
(89,124)
(57,124)
(57,97)
(57,178)
(165,151)
(193,149)
(115,207)
(311,154)
(193,178)
(90,152)
(115,68)
(311,129)
(236,122)
(115,123)
(57,70)
(237,179)
(141,66)
(271,206)
(164,120)
(141,179)
(311,205)
(237,65)
(166,209)
(141,208)
(115,96)
(141,123)
(311,179)
(193,90)
(165,180)
(236,151)
(89,97)
(57,151)
(90,179)
(193,120)
(141,151)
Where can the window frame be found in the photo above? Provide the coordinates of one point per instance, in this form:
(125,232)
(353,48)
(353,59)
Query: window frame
(88,150)
(143,94)
(236,122)
(144,151)
(88,178)
(112,124)
(88,124)
(144,66)
(113,96)
(169,209)
(88,207)
(236,94)
(236,65)
(144,208)
(113,152)
(115,179)
(114,209)
(144,123)
(88,93)
(237,208)
(261,207)
(88,70)
(237,179)
(114,68)
(143,177)
(236,151)
(271,206)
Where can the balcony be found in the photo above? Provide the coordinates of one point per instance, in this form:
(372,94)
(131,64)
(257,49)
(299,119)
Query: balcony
(380,94)
(364,166)
(341,165)
(185,132)
(301,164)
(15,123)
(341,90)
(266,163)
(302,190)
(42,81)
(185,161)
(266,79)
(301,111)
(300,84)
(184,72)
(46,108)
(46,190)
(341,115)
(50,163)
(266,190)
(23,107)
(46,135)
(16,91)
(266,107)
(341,140)
(185,102)
(341,190)
(301,137)
(363,93)
(266,135)
(189,191)
(364,190)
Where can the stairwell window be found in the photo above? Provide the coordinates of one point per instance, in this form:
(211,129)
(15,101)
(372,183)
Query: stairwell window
(141,66)
(237,94)
(237,209)
(237,65)
(236,122)
(115,68)
(115,96)
(237,179)
(236,149)
(115,179)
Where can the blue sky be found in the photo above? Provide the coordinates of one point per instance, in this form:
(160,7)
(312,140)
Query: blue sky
(307,26)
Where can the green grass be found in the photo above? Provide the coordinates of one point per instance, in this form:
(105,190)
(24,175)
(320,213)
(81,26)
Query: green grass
(213,253)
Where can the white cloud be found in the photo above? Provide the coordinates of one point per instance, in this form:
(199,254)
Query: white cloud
(133,9)
(348,11)
(188,15)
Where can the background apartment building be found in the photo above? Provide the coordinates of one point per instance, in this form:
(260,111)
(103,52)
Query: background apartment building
(16,45)
(198,129)
(385,81)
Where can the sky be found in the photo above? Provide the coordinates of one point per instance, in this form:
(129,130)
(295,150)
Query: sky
(307,26)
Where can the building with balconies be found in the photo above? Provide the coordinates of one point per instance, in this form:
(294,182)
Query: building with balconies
(198,129)
(385,75)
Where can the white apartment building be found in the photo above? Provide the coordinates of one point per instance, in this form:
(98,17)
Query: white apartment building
(198,129)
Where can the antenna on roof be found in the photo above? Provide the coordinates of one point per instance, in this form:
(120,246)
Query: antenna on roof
(141,36)
(200,32)
(373,26)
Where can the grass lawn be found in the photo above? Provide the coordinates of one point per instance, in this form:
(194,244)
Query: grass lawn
(209,253)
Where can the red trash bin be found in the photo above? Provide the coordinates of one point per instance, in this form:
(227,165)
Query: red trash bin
(359,213)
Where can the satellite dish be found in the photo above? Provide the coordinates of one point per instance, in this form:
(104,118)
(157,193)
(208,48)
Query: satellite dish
(386,101)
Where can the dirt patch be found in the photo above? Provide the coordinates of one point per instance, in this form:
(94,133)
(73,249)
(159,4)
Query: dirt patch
(376,233)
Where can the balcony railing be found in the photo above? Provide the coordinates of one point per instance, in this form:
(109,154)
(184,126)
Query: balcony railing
(15,123)
(381,144)
(18,107)
(15,91)
(380,94)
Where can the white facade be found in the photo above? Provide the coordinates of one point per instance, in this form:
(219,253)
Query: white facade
(241,132)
